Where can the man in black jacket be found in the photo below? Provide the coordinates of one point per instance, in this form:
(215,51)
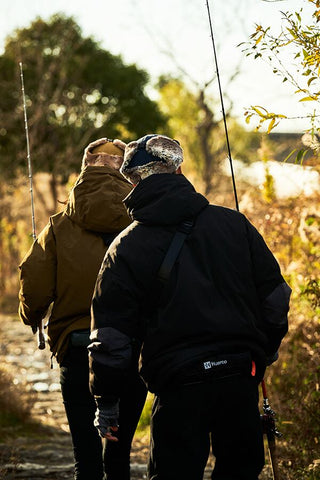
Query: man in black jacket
(207,332)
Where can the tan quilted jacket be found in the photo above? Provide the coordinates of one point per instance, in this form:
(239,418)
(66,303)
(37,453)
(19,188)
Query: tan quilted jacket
(62,265)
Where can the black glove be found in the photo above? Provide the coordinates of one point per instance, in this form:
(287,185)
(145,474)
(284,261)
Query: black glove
(107,416)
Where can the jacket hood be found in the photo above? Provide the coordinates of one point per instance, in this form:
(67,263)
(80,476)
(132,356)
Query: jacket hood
(164,199)
(96,200)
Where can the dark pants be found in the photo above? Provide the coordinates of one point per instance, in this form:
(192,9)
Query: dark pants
(221,410)
(93,456)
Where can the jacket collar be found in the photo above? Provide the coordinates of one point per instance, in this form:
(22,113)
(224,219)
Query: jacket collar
(164,199)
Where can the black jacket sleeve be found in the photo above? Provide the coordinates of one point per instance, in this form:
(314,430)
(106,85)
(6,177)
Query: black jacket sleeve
(115,330)
(275,317)
(273,291)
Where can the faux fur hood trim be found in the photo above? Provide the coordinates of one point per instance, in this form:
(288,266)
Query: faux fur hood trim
(91,158)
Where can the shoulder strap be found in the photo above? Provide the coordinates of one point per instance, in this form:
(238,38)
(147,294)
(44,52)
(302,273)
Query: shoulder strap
(175,247)
(108,238)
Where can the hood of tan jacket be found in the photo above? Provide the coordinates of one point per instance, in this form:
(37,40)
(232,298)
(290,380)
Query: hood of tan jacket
(95,202)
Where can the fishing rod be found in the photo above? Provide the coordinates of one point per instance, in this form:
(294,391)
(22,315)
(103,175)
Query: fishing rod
(270,430)
(268,417)
(222,108)
(39,328)
(34,236)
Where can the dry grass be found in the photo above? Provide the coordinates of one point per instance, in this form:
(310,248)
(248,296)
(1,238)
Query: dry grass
(15,403)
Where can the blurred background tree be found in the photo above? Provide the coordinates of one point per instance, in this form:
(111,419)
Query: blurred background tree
(76,92)
(293,53)
(193,117)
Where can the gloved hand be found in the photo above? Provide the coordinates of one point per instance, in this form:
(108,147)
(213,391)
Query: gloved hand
(107,418)
(272,358)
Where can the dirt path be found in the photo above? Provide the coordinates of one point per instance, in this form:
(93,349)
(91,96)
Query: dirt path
(46,453)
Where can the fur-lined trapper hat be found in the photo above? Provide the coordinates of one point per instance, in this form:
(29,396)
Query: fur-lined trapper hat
(151,154)
(100,147)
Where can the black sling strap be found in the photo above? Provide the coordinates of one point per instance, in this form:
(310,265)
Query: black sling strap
(175,247)
(108,238)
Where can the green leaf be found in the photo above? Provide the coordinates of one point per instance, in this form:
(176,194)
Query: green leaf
(309,221)
(290,155)
(292,32)
(271,125)
(259,112)
(311,80)
(307,99)
(300,156)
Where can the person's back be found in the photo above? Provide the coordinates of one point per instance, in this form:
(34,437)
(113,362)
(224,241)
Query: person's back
(212,302)
(61,269)
(208,331)
(68,253)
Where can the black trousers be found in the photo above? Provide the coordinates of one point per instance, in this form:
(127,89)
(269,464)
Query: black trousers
(95,457)
(223,411)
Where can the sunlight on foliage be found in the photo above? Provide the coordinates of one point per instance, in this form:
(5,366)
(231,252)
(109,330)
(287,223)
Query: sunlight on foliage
(194,119)
(292,231)
(293,54)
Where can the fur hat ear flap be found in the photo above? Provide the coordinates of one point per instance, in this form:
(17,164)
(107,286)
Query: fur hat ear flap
(149,155)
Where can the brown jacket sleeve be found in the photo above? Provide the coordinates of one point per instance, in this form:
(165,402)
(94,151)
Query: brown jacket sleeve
(38,278)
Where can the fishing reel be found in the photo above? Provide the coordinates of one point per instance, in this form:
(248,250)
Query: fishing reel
(268,419)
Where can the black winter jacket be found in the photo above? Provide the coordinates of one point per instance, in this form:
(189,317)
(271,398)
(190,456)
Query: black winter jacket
(225,293)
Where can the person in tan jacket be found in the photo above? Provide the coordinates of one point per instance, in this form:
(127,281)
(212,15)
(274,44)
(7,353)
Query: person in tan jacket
(60,270)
